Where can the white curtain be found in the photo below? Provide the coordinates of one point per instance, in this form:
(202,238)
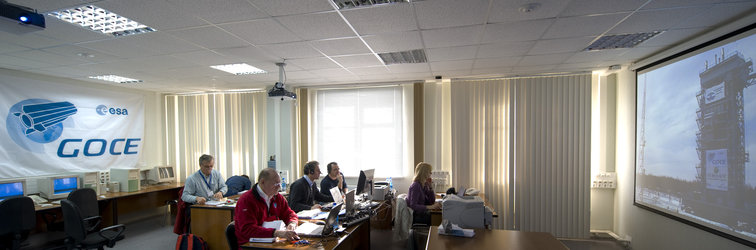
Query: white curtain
(524,142)
(229,126)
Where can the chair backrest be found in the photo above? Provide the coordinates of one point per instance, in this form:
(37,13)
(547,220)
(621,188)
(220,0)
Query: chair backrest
(86,200)
(73,222)
(233,244)
(19,218)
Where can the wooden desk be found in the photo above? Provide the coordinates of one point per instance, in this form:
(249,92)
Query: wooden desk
(117,203)
(494,239)
(209,222)
(354,237)
(437,214)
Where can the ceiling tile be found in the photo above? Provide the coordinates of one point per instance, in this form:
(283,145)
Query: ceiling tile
(317,26)
(647,21)
(67,71)
(680,3)
(50,58)
(261,31)
(560,45)
(509,11)
(452,73)
(394,42)
(437,13)
(69,33)
(291,7)
(216,12)
(504,49)
(640,53)
(582,26)
(159,42)
(86,54)
(716,14)
(209,37)
(160,15)
(409,68)
(544,59)
(382,19)
(601,55)
(291,50)
(491,72)
(592,7)
(335,47)
(522,70)
(331,72)
(451,65)
(451,53)
(23,63)
(517,31)
(205,58)
(671,37)
(375,70)
(352,61)
(117,47)
(313,63)
(32,41)
(7,47)
(499,62)
(451,37)
(299,75)
(250,54)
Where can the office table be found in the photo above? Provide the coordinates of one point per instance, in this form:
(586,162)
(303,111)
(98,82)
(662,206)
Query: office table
(437,214)
(355,237)
(494,239)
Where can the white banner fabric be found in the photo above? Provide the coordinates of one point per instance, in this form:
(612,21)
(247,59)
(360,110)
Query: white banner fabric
(52,128)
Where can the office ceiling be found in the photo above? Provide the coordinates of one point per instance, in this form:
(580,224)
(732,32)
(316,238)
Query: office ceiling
(325,46)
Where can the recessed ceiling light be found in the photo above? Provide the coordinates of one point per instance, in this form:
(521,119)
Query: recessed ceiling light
(620,41)
(530,7)
(239,69)
(102,20)
(115,78)
(349,4)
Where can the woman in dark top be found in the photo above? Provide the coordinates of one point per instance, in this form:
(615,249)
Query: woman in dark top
(421,197)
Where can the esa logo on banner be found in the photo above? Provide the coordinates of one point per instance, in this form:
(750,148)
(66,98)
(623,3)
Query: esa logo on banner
(104,110)
(34,122)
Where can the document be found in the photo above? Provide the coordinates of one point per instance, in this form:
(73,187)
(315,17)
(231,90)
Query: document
(336,194)
(308,214)
(276,224)
(309,228)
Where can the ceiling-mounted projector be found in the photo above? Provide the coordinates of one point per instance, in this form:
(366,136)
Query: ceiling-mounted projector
(278,90)
(19,19)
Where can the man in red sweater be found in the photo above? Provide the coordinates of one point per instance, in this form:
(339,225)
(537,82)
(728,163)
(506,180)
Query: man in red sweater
(263,203)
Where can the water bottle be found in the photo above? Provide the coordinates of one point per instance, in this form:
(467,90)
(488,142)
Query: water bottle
(391,184)
(283,184)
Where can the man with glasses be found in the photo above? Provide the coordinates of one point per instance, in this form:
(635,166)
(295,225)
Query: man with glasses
(334,179)
(261,204)
(205,184)
(304,192)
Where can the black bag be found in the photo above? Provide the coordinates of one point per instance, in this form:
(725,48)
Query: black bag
(190,242)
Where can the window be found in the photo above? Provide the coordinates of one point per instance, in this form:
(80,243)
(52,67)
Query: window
(360,129)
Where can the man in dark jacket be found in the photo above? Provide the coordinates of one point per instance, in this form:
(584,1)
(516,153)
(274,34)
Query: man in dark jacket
(304,192)
(237,184)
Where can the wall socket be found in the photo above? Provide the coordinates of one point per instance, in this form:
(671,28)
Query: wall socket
(605,180)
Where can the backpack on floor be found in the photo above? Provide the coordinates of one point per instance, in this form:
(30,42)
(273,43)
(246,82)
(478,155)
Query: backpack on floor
(190,242)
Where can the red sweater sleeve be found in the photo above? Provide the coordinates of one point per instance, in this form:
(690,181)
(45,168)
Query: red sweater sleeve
(286,214)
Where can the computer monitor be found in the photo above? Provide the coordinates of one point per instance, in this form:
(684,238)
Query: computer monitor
(12,188)
(58,187)
(162,174)
(365,182)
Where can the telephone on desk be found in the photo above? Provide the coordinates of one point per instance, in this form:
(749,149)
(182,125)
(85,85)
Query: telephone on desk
(37,200)
(472,191)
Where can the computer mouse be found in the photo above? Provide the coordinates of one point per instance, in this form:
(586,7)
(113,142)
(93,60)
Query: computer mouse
(320,222)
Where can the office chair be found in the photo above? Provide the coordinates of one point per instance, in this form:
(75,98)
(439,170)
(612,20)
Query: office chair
(233,244)
(418,232)
(19,218)
(86,200)
(76,232)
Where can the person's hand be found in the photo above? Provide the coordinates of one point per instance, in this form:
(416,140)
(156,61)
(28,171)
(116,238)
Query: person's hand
(292,226)
(288,235)
(218,196)
(341,180)
(316,206)
(201,200)
(435,206)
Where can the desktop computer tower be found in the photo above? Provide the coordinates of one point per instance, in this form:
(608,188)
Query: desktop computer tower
(90,180)
(128,178)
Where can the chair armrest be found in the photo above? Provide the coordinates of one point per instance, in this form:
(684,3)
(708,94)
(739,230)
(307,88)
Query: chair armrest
(93,222)
(112,233)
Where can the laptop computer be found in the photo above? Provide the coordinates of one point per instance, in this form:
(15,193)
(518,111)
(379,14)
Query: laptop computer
(313,230)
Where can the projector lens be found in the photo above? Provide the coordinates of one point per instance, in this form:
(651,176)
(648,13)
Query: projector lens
(23,19)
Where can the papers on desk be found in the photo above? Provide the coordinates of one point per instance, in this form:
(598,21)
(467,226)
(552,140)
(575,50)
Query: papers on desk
(214,203)
(275,225)
(262,240)
(456,231)
(309,228)
(316,214)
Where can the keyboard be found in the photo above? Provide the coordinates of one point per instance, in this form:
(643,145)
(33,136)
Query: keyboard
(356,219)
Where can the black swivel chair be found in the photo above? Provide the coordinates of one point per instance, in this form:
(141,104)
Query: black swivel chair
(233,244)
(18,219)
(76,232)
(86,200)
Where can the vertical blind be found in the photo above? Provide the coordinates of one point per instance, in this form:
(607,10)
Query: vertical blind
(525,142)
(229,126)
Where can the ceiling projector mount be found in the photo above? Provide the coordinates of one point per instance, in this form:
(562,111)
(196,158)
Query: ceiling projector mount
(278,90)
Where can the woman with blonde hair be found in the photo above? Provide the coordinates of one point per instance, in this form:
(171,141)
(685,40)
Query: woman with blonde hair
(421,197)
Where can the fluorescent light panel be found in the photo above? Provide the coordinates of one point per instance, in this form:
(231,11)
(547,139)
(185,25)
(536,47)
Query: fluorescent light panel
(102,20)
(620,41)
(239,69)
(401,57)
(115,78)
(349,4)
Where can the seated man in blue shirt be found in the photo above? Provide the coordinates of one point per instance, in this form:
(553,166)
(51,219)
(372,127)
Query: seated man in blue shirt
(334,179)
(204,184)
(237,184)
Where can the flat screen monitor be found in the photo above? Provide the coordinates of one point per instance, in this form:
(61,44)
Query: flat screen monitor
(365,181)
(58,187)
(695,130)
(12,188)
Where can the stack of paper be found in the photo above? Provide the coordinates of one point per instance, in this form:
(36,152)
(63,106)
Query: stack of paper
(276,224)
(308,214)
(456,231)
(308,228)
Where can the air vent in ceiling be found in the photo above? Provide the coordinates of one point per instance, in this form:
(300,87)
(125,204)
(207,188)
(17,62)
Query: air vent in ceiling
(348,4)
(401,57)
(620,41)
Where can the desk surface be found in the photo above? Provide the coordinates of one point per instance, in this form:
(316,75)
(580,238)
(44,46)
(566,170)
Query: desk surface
(494,239)
(331,242)
(115,195)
